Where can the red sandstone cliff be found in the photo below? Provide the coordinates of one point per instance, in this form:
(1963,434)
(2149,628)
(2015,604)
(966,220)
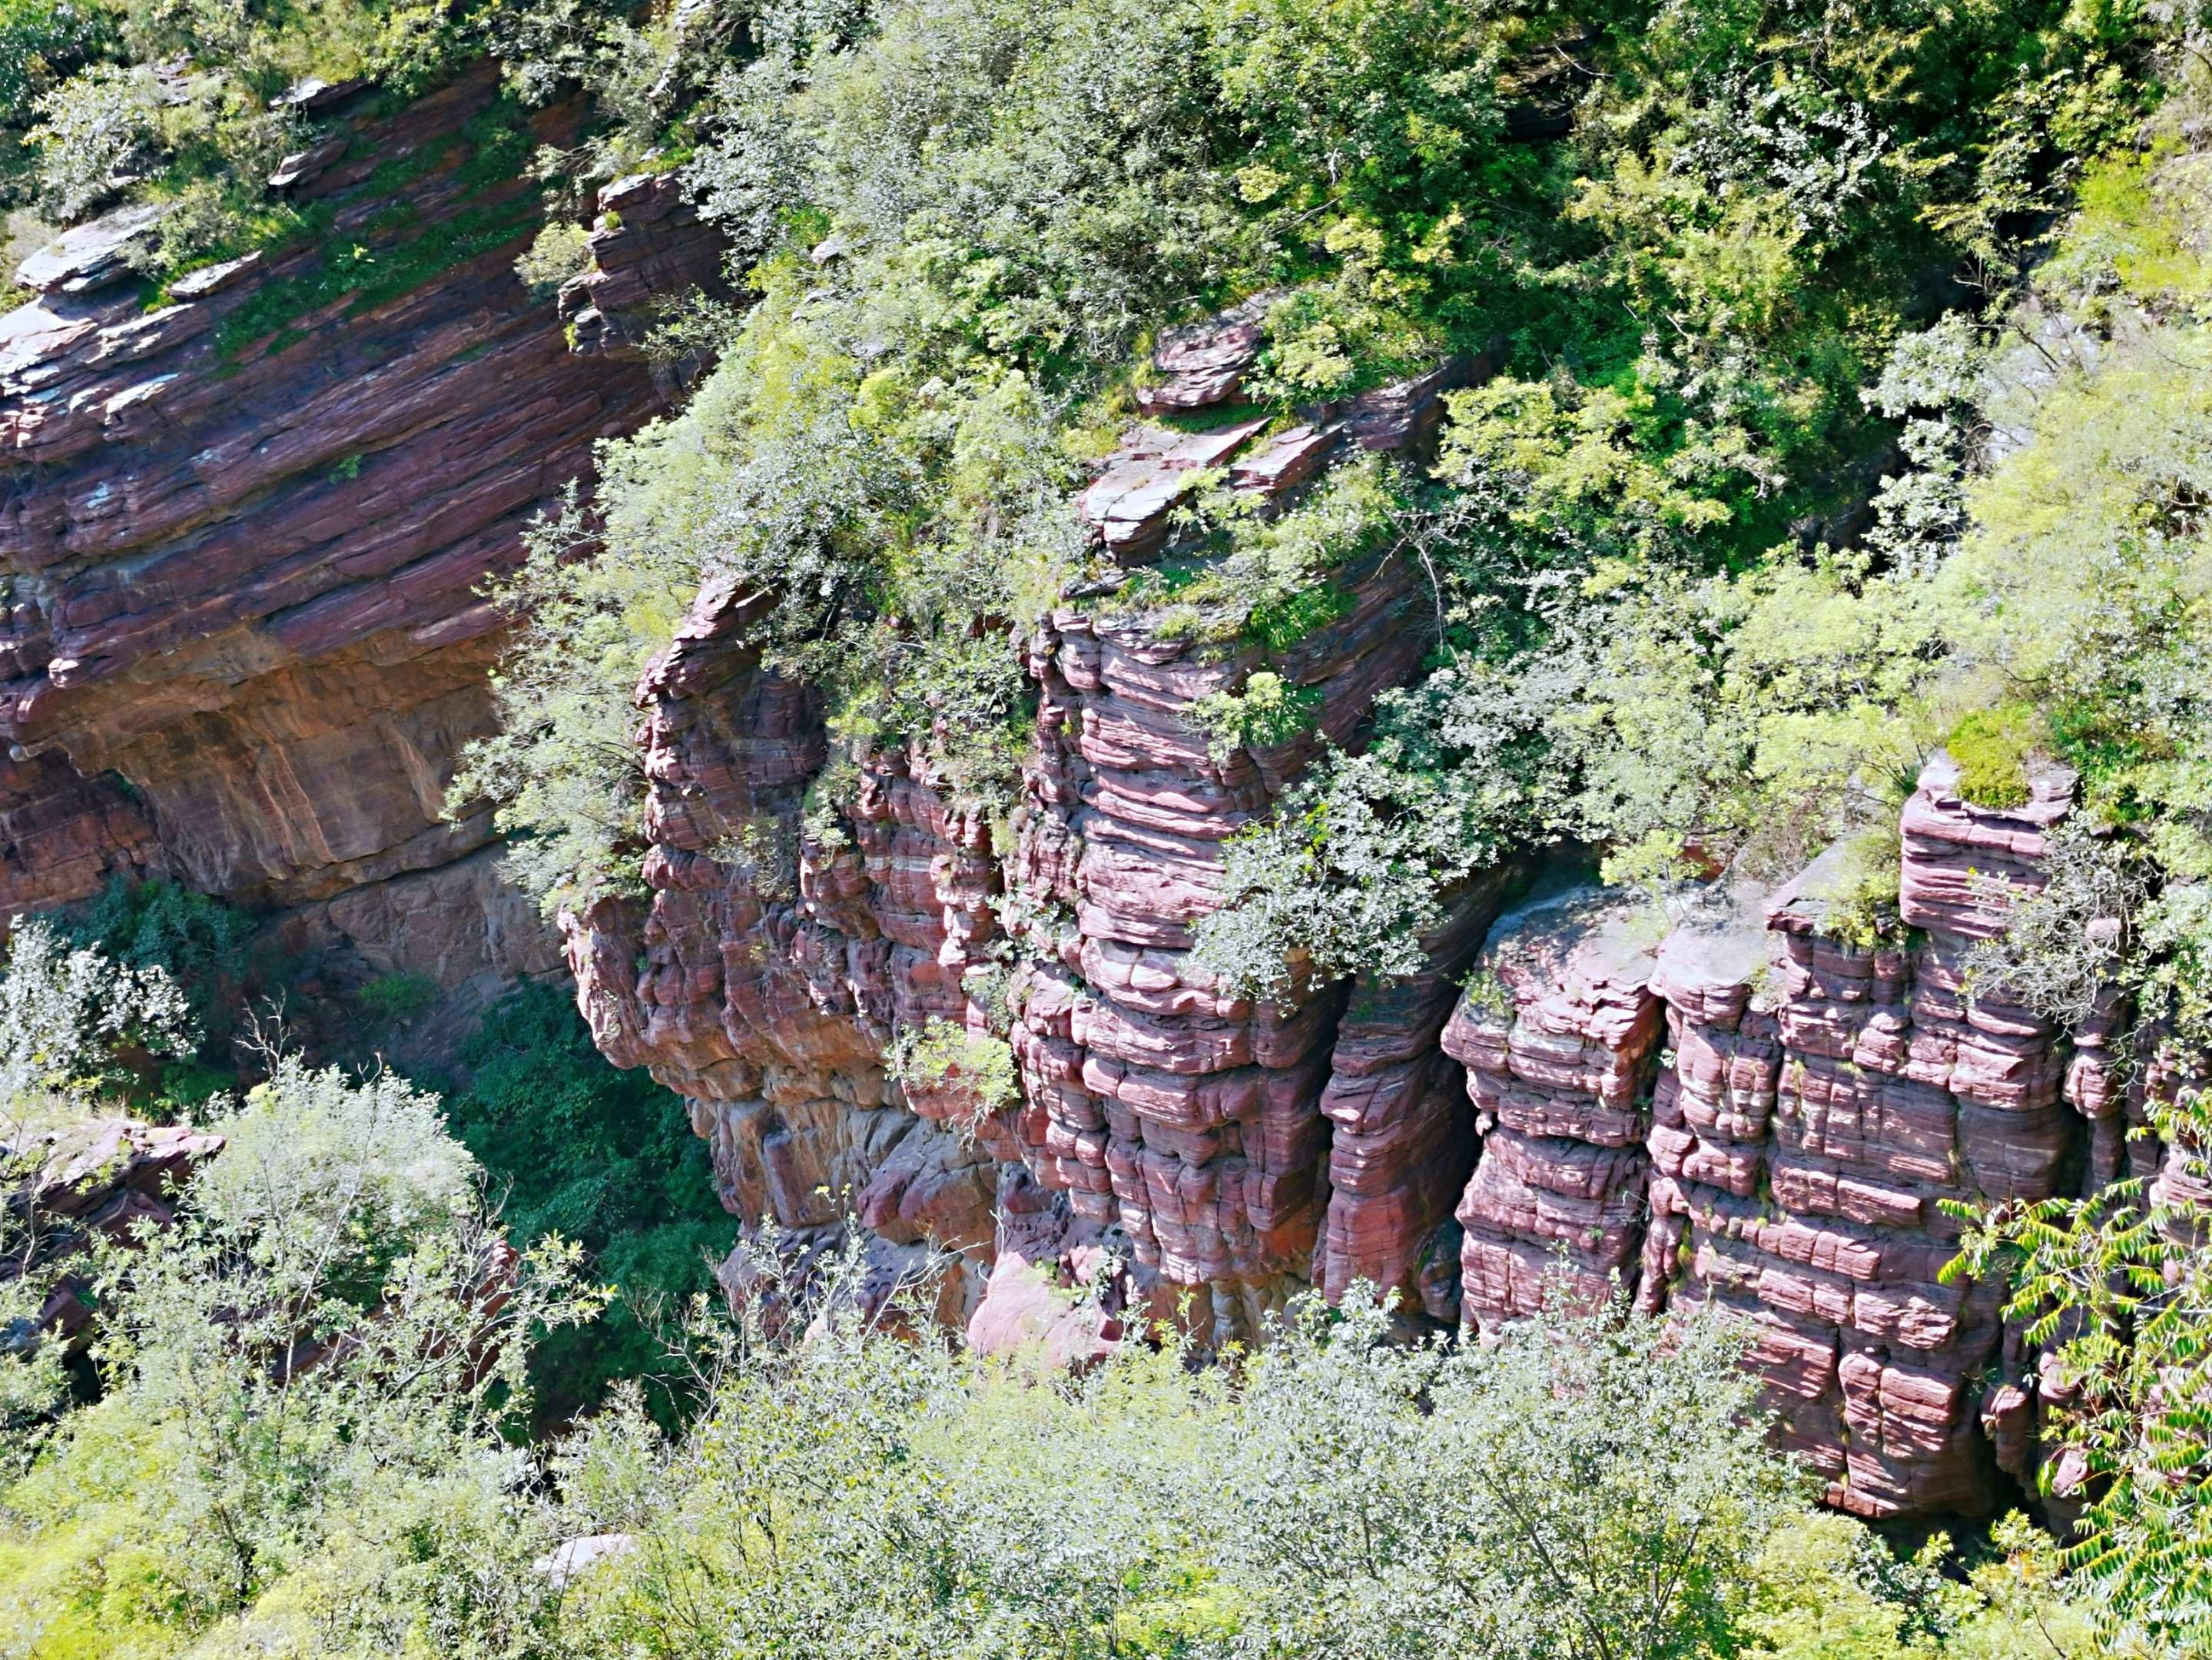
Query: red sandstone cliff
(243,642)
(1728,1104)
(242,530)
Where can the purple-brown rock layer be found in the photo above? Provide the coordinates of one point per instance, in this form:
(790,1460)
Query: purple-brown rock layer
(1816,1102)
(243,634)
(1195,1133)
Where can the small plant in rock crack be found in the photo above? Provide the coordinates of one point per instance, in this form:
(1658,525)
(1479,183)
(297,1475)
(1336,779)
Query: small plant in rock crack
(2067,942)
(972,1070)
(1268,712)
(1488,995)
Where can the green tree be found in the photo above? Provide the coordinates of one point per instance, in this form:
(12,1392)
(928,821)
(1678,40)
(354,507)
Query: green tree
(308,1376)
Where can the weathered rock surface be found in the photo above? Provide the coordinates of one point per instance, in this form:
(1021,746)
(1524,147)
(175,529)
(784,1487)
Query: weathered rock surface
(1788,1156)
(1719,1102)
(1178,1128)
(242,639)
(1557,1032)
(243,526)
(647,246)
(98,1178)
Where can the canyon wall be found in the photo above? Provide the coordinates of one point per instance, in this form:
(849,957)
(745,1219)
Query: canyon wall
(245,523)
(1233,1149)
(1718,1100)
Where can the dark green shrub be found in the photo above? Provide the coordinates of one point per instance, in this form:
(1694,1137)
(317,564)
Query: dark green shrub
(602,1157)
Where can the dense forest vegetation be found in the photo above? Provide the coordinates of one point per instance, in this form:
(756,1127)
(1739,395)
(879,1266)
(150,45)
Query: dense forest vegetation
(566,1145)
(1852,401)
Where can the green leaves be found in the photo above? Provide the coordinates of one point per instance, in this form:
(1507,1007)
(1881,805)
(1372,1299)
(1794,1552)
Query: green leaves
(605,1159)
(2114,1290)
(307,1372)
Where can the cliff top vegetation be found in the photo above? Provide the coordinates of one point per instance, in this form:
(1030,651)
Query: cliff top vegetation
(1701,546)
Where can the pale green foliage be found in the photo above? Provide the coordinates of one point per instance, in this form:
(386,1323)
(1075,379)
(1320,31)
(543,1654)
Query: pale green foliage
(880,511)
(298,1456)
(563,769)
(178,102)
(853,1494)
(307,1372)
(1993,749)
(1267,712)
(1025,182)
(1560,463)
(1589,1485)
(91,128)
(1347,876)
(2120,1287)
(1858,887)
(65,1013)
(2070,941)
(2085,580)
(312,1159)
(1828,1589)
(1657,864)
(944,1056)
(638,69)
(559,251)
(1265,579)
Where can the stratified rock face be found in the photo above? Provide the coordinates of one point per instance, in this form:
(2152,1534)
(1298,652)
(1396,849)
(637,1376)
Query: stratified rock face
(1401,1138)
(1211,1143)
(1721,1104)
(1815,1103)
(1557,1033)
(647,246)
(243,534)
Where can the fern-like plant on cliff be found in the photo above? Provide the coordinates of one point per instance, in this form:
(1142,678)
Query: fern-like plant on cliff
(2116,1292)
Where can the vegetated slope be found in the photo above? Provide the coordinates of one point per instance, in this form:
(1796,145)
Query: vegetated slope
(314,1357)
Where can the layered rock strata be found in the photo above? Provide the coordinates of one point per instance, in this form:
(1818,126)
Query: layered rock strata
(1186,1133)
(647,248)
(244,536)
(1817,1102)
(1559,1030)
(245,523)
(1722,1101)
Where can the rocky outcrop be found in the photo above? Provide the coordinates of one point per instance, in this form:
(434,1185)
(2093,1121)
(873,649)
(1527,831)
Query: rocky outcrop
(1719,1101)
(646,247)
(245,525)
(1789,1156)
(1558,1032)
(1191,1136)
(1896,1093)
(97,1179)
